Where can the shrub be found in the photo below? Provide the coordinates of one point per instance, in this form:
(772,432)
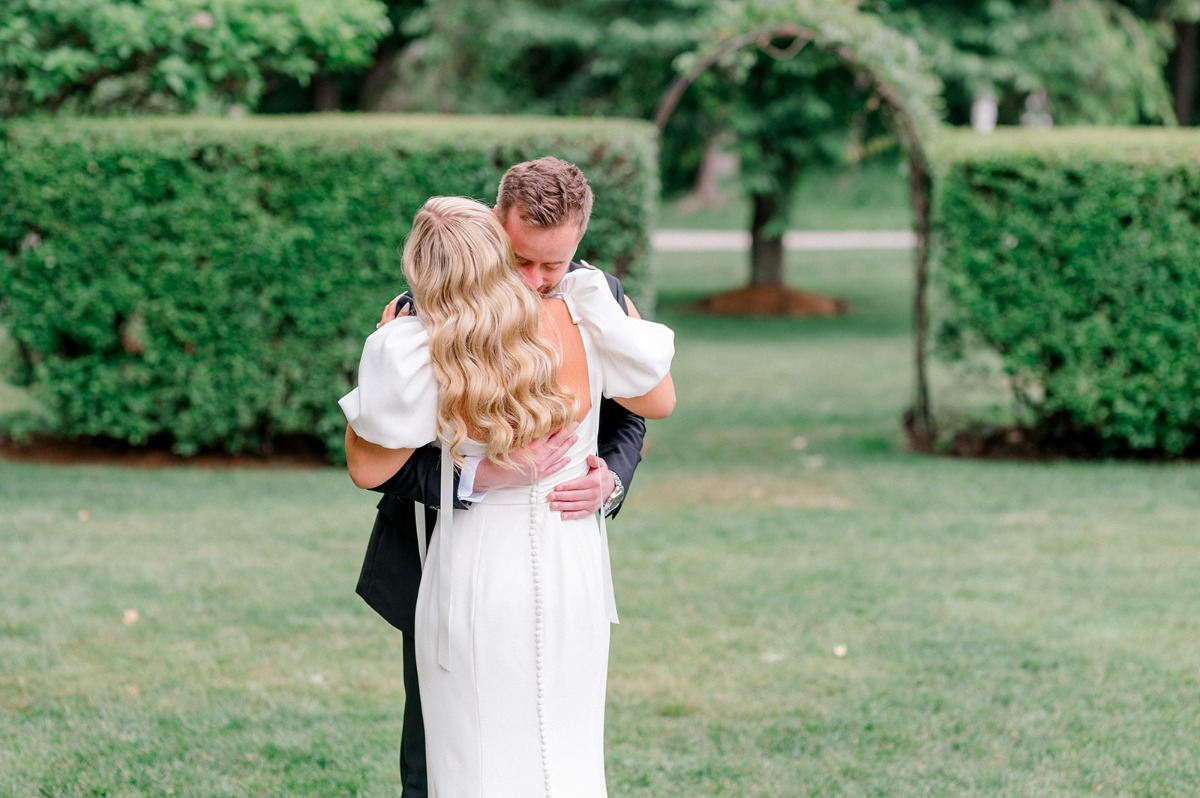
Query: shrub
(1072,255)
(208,283)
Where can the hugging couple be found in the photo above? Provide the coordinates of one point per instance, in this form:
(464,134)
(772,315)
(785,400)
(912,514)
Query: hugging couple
(509,384)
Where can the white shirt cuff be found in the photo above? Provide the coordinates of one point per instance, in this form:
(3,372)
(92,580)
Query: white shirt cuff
(466,480)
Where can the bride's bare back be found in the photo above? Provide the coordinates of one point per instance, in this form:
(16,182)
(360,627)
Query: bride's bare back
(562,332)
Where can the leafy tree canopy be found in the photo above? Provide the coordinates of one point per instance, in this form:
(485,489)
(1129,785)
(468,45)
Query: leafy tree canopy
(806,82)
(555,56)
(1088,61)
(879,56)
(122,56)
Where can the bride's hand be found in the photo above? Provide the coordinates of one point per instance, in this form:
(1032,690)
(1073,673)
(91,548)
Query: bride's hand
(392,311)
(540,458)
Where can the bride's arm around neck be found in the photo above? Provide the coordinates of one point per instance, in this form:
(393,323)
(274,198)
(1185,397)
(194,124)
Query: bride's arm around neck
(660,401)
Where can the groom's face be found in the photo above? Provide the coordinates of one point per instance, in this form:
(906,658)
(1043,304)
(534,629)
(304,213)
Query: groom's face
(543,255)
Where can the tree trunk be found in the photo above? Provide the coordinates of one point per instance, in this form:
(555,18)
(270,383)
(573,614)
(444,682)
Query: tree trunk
(1185,70)
(919,419)
(706,191)
(766,250)
(378,80)
(326,94)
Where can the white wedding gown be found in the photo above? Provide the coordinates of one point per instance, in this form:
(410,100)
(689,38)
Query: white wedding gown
(513,614)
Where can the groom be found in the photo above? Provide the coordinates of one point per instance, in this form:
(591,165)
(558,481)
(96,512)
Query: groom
(544,206)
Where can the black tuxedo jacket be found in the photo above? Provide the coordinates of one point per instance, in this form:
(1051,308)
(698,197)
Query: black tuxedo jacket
(391,570)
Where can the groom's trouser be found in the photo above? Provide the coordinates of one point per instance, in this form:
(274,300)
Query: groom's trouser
(412,738)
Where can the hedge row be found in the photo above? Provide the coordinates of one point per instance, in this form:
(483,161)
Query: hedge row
(1074,254)
(208,283)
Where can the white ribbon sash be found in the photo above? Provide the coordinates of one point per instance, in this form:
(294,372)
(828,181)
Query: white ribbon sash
(610,597)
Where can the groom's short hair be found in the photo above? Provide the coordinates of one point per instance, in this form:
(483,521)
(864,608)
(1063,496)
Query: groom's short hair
(547,193)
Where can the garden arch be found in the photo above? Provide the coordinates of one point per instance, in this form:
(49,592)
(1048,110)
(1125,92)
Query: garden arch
(890,68)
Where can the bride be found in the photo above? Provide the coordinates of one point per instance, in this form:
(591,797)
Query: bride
(513,614)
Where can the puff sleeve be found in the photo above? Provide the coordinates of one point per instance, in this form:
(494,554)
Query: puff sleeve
(635,355)
(396,402)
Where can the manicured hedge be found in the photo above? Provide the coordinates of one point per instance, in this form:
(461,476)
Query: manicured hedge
(208,283)
(1074,254)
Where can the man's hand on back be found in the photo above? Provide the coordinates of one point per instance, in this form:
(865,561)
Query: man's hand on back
(581,497)
(540,458)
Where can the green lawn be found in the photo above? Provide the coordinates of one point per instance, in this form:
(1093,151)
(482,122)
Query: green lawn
(807,609)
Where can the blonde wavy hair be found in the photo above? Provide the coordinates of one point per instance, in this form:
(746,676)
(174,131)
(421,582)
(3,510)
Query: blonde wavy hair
(498,375)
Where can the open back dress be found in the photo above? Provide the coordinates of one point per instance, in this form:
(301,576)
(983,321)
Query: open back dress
(513,614)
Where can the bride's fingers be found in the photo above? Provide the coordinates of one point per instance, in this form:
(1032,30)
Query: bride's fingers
(392,311)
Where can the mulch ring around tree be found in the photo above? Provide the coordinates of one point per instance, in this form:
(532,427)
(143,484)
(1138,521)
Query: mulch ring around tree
(772,300)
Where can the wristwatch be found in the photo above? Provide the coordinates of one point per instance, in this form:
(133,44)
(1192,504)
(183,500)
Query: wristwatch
(614,498)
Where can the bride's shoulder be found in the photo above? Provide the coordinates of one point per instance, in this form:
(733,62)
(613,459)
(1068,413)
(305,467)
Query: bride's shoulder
(395,403)
(396,360)
(587,292)
(584,276)
(401,345)
(555,310)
